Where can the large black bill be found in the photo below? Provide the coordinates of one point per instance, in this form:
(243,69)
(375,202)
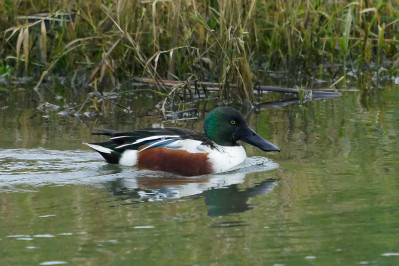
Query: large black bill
(251,137)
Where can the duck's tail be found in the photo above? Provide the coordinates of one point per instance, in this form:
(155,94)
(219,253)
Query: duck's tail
(109,155)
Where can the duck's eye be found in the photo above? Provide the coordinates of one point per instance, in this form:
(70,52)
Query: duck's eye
(233,122)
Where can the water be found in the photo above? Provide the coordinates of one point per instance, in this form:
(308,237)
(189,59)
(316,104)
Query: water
(330,197)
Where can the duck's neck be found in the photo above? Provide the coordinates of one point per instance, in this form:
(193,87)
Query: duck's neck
(222,141)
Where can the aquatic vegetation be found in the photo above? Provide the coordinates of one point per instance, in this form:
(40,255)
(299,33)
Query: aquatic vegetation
(96,44)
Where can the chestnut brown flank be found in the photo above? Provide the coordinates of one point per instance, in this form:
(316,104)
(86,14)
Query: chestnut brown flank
(174,161)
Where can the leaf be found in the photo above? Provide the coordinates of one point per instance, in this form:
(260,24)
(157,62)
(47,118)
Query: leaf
(14,30)
(381,32)
(366,50)
(19,43)
(348,23)
(342,44)
(96,104)
(198,20)
(370,9)
(156,60)
(43,50)
(26,48)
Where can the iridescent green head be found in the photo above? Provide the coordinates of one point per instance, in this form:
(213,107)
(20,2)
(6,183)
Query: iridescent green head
(225,126)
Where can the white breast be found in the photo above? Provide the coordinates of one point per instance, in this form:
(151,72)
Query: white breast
(226,158)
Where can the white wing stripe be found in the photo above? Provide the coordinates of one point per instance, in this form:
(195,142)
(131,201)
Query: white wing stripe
(154,144)
(165,137)
(120,137)
(156,137)
(147,138)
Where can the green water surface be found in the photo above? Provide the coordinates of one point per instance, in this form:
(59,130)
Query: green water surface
(333,199)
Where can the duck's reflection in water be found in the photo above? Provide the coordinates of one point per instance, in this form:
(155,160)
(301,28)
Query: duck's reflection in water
(231,199)
(221,191)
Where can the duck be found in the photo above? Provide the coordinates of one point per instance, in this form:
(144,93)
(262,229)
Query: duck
(184,151)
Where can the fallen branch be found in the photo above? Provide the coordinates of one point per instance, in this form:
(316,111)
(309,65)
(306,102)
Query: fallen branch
(215,86)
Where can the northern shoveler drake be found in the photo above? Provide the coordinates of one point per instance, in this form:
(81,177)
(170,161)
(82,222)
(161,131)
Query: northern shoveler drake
(184,151)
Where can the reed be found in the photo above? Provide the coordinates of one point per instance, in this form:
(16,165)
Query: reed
(90,42)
